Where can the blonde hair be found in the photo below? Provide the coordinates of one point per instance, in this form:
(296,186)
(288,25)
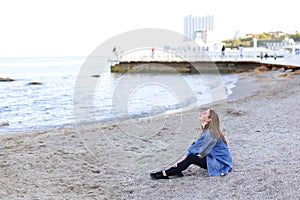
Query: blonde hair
(214,126)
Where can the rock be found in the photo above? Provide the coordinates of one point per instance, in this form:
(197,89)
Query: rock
(7,79)
(96,76)
(34,83)
(4,124)
(261,69)
(296,72)
(281,69)
(286,75)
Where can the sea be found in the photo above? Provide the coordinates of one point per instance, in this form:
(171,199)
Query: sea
(42,95)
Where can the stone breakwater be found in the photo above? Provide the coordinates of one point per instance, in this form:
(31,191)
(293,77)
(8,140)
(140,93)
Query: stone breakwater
(194,67)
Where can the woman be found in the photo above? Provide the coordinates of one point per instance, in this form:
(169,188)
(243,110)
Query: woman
(210,151)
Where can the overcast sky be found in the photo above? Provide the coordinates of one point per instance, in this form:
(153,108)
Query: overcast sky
(75,28)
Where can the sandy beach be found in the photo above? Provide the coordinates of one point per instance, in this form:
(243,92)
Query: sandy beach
(113,161)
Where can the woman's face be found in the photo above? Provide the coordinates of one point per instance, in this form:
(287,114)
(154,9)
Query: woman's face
(205,116)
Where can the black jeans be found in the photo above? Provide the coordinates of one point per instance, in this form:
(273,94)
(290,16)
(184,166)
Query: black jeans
(183,165)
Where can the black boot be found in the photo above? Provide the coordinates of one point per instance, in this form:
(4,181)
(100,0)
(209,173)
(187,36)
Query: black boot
(158,175)
(180,174)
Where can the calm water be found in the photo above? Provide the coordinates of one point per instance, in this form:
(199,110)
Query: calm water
(49,105)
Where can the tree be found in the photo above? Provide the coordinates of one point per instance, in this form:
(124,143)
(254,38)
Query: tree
(263,36)
(295,37)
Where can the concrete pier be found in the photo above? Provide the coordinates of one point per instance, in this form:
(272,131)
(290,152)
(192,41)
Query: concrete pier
(226,66)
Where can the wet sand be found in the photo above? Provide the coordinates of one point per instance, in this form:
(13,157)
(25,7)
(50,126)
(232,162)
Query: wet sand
(113,161)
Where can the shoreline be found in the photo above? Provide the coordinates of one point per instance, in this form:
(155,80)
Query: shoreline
(237,92)
(11,127)
(69,163)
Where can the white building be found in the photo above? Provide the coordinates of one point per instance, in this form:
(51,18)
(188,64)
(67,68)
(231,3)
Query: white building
(196,27)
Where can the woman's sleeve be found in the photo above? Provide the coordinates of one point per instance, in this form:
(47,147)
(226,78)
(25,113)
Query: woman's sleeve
(208,143)
(202,146)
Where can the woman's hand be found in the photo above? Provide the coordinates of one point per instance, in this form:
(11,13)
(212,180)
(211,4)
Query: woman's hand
(175,165)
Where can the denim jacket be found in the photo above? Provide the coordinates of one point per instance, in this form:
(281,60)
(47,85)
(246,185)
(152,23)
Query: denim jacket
(218,157)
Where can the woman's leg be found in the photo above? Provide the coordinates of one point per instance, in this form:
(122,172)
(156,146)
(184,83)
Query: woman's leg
(183,165)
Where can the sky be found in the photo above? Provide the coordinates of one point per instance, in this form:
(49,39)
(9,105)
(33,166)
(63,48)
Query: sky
(35,28)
